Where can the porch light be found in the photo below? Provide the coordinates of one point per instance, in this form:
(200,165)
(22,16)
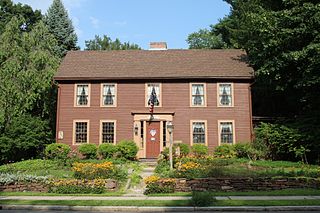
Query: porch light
(136,129)
(170,128)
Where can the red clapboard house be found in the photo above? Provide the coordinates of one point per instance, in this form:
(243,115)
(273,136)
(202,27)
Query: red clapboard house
(105,97)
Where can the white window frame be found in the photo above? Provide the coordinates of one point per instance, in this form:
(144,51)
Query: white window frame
(204,104)
(74,131)
(205,131)
(147,95)
(115,95)
(218,94)
(233,131)
(76,94)
(114,132)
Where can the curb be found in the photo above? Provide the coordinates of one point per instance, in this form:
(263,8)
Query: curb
(158,209)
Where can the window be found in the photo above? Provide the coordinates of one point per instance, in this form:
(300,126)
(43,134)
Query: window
(225,97)
(153,94)
(198,129)
(226,132)
(109,95)
(81,132)
(108,129)
(82,95)
(198,94)
(164,133)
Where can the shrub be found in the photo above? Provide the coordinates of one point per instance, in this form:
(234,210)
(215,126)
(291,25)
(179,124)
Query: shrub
(58,151)
(98,170)
(107,150)
(202,198)
(74,186)
(127,149)
(225,151)
(157,185)
(163,169)
(184,148)
(89,151)
(6,179)
(190,170)
(199,150)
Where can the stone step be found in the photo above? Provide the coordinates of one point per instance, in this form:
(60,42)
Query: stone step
(148,169)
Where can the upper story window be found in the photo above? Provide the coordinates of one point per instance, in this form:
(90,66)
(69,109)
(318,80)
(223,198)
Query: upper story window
(81,132)
(109,97)
(153,94)
(198,129)
(225,97)
(226,132)
(198,96)
(82,95)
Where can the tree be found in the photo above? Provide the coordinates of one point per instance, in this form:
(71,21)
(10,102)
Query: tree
(27,65)
(106,43)
(60,25)
(205,39)
(8,10)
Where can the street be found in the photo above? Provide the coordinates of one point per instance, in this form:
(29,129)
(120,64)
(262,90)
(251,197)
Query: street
(19,211)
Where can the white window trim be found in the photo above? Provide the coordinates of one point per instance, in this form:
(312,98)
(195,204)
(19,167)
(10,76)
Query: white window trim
(74,131)
(75,95)
(218,94)
(115,95)
(115,131)
(204,94)
(219,131)
(146,94)
(206,131)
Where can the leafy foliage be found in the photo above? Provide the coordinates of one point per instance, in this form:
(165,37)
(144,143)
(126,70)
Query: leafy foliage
(205,39)
(107,150)
(60,25)
(25,137)
(225,151)
(8,10)
(6,179)
(106,43)
(89,151)
(57,151)
(199,149)
(127,149)
(201,198)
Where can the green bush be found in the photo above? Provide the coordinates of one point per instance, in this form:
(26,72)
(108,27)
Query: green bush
(199,150)
(58,151)
(127,149)
(107,150)
(201,199)
(89,151)
(163,169)
(225,151)
(184,148)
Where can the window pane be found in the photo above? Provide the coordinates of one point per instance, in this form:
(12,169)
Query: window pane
(225,94)
(154,88)
(82,94)
(198,132)
(197,94)
(226,132)
(108,94)
(81,132)
(108,132)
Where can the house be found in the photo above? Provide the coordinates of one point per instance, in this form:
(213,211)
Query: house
(104,97)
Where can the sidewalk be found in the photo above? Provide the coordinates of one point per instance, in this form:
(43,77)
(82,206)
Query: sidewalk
(156,198)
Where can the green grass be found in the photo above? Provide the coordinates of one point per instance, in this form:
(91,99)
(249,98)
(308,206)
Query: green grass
(284,192)
(160,202)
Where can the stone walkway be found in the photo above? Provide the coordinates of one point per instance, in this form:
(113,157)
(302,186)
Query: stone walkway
(148,170)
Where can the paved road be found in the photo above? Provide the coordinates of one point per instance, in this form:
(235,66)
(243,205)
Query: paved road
(20,211)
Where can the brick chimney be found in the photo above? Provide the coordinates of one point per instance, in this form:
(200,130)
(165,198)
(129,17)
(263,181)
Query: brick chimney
(158,46)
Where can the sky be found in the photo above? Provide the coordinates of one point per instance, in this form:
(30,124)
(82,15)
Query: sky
(139,21)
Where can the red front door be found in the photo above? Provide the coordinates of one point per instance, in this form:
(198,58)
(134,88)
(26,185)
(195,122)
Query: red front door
(153,139)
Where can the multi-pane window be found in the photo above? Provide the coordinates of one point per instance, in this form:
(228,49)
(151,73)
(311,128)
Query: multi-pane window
(199,132)
(225,94)
(226,132)
(198,95)
(82,95)
(153,94)
(108,132)
(109,95)
(81,132)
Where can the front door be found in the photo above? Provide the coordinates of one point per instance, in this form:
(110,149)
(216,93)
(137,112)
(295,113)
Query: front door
(153,139)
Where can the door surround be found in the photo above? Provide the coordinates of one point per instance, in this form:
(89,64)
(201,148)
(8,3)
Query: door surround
(144,117)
